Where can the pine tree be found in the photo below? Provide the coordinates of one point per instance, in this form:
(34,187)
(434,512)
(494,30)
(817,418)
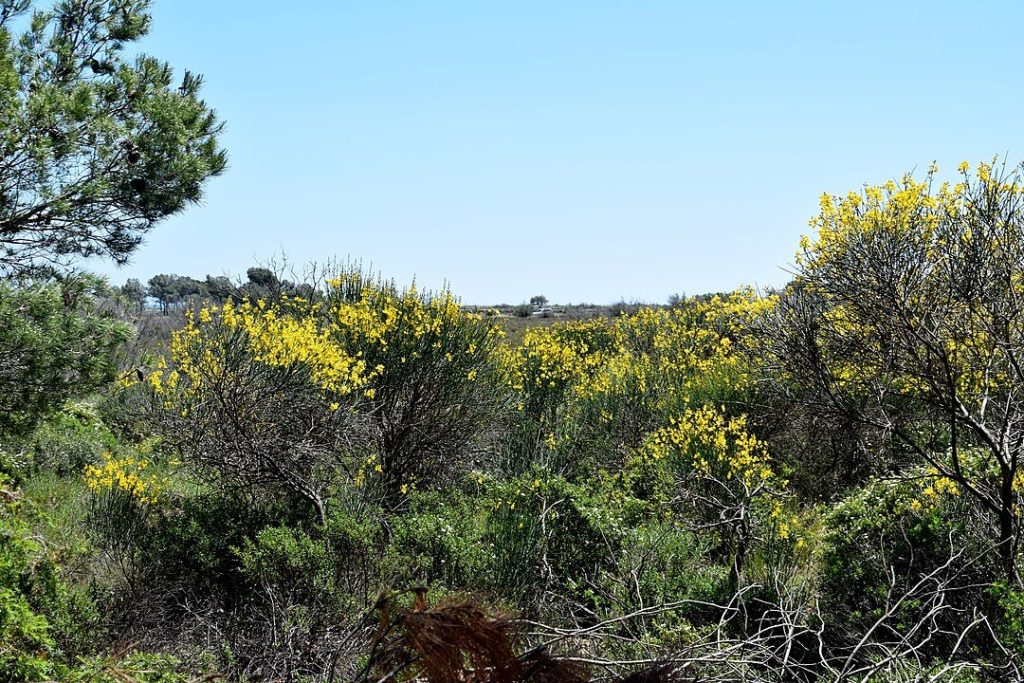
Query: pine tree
(97,147)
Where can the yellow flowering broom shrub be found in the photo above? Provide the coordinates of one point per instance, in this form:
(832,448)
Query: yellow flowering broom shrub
(433,394)
(247,391)
(601,387)
(906,320)
(905,527)
(551,362)
(296,391)
(128,476)
(126,492)
(543,372)
(720,477)
(668,360)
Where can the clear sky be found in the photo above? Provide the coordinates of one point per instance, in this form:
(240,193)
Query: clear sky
(582,149)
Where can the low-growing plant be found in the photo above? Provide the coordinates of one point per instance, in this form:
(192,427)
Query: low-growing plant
(45,621)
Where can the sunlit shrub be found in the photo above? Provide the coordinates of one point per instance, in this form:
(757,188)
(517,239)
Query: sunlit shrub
(551,361)
(905,317)
(24,632)
(433,397)
(549,536)
(124,493)
(721,478)
(439,542)
(590,392)
(133,667)
(45,621)
(296,392)
(129,476)
(543,371)
(66,441)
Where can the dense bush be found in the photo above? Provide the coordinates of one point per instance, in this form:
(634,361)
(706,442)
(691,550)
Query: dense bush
(49,626)
(905,317)
(882,540)
(25,578)
(54,345)
(69,440)
(298,392)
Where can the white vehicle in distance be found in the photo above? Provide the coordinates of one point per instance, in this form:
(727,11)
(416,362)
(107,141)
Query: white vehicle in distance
(544,312)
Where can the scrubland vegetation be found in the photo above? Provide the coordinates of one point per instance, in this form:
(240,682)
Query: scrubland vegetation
(365,482)
(329,477)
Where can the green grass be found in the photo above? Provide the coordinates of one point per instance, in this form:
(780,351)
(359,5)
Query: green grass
(64,504)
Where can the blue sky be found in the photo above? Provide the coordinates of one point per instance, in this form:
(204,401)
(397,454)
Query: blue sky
(586,150)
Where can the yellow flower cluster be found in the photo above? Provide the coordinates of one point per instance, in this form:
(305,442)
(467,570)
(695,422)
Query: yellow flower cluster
(346,339)
(378,314)
(933,488)
(294,336)
(714,445)
(915,210)
(905,208)
(692,344)
(786,526)
(936,224)
(557,357)
(656,357)
(124,474)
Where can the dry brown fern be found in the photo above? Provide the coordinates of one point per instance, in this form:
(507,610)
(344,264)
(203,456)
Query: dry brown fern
(451,642)
(460,643)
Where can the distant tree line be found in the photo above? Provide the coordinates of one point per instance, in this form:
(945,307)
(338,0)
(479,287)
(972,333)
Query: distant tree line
(173,292)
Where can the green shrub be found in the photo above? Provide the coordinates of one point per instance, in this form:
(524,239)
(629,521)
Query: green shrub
(67,441)
(1011,619)
(881,541)
(306,591)
(55,344)
(663,562)
(24,633)
(193,544)
(324,572)
(547,534)
(126,412)
(44,622)
(439,542)
(135,667)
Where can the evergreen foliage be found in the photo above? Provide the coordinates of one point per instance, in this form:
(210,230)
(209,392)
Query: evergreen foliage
(97,147)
